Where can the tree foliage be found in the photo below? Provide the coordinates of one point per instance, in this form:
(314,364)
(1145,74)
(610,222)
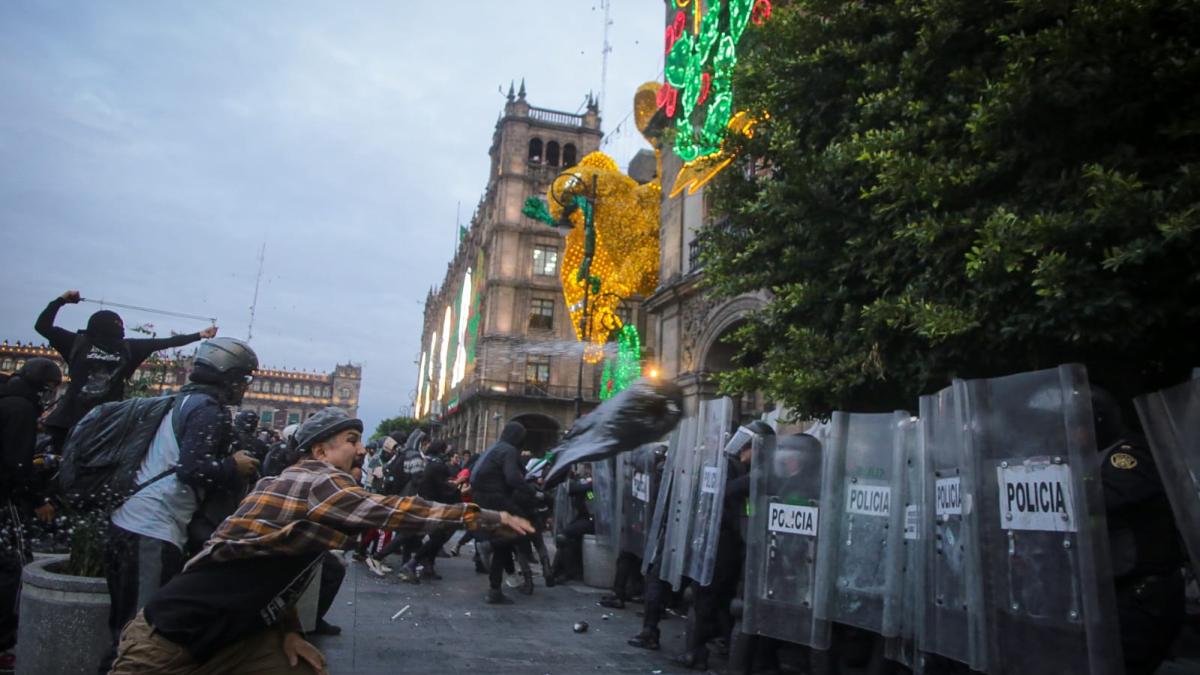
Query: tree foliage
(953,188)
(393,424)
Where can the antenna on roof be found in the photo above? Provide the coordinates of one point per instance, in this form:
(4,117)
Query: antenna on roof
(607,5)
(262,254)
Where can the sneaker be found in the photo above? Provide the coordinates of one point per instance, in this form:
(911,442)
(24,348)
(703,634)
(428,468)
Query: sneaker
(408,575)
(387,569)
(375,567)
(512,580)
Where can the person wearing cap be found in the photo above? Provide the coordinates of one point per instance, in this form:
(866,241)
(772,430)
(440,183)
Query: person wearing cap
(22,494)
(99,360)
(189,457)
(233,607)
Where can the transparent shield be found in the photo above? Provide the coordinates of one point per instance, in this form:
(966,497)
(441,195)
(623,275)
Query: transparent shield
(1171,420)
(639,493)
(606,502)
(676,503)
(952,624)
(1049,599)
(782,586)
(708,488)
(903,648)
(564,507)
(867,547)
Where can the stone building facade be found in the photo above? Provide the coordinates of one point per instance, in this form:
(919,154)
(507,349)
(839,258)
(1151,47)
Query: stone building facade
(280,396)
(687,324)
(498,343)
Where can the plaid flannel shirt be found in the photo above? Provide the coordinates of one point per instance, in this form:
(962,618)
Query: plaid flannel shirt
(313,507)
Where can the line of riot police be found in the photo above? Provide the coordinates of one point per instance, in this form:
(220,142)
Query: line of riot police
(1015,525)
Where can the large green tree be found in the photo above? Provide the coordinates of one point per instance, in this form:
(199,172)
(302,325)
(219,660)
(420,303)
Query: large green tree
(393,424)
(963,188)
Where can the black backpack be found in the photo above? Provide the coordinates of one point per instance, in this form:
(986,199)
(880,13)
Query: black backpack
(102,454)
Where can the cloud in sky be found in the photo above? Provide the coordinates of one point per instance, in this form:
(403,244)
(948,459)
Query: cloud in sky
(153,147)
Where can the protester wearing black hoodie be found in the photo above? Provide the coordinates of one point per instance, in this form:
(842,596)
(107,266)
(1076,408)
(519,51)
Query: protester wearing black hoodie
(21,400)
(99,361)
(495,481)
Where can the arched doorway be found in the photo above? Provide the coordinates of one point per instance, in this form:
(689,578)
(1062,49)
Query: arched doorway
(541,432)
(717,353)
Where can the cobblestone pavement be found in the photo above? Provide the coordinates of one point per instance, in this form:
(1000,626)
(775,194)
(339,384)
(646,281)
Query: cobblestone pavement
(447,628)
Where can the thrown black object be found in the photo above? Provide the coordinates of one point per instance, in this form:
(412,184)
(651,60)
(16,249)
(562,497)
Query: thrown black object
(646,411)
(580,627)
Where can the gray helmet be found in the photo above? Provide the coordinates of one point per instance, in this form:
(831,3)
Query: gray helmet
(226,355)
(322,425)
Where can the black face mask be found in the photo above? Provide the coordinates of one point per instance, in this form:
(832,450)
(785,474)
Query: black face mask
(106,329)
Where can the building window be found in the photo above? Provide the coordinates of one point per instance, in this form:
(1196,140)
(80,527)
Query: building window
(287,387)
(8,364)
(344,392)
(545,261)
(569,155)
(277,388)
(552,153)
(325,392)
(307,390)
(541,314)
(293,418)
(267,418)
(537,374)
(535,151)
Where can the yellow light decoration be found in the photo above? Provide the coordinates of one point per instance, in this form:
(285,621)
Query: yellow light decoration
(698,172)
(625,258)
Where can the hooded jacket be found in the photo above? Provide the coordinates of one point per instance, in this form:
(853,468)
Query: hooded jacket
(20,406)
(99,358)
(498,474)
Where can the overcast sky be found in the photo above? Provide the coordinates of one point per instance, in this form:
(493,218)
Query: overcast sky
(150,148)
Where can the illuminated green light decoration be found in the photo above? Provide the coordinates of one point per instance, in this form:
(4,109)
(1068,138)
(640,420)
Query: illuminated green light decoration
(699,71)
(622,371)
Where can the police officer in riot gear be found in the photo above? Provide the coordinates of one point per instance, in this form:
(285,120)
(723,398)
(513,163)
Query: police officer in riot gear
(1147,554)
(712,601)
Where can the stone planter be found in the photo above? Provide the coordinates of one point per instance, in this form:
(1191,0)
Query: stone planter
(64,620)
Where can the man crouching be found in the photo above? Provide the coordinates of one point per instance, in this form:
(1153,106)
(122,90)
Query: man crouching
(232,609)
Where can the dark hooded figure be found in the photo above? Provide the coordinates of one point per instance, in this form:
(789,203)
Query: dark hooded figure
(99,361)
(495,481)
(21,496)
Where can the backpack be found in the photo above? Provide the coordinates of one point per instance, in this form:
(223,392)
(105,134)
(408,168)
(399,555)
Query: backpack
(101,456)
(395,479)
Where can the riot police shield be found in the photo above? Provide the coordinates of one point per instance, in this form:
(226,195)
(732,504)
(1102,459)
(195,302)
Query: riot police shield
(1049,602)
(866,547)
(903,648)
(710,470)
(951,622)
(1171,420)
(783,592)
(606,502)
(639,493)
(673,511)
(564,507)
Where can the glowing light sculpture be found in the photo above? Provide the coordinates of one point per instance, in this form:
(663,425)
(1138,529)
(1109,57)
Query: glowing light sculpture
(612,248)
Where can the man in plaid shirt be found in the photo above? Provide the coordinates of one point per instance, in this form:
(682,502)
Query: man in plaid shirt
(233,607)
